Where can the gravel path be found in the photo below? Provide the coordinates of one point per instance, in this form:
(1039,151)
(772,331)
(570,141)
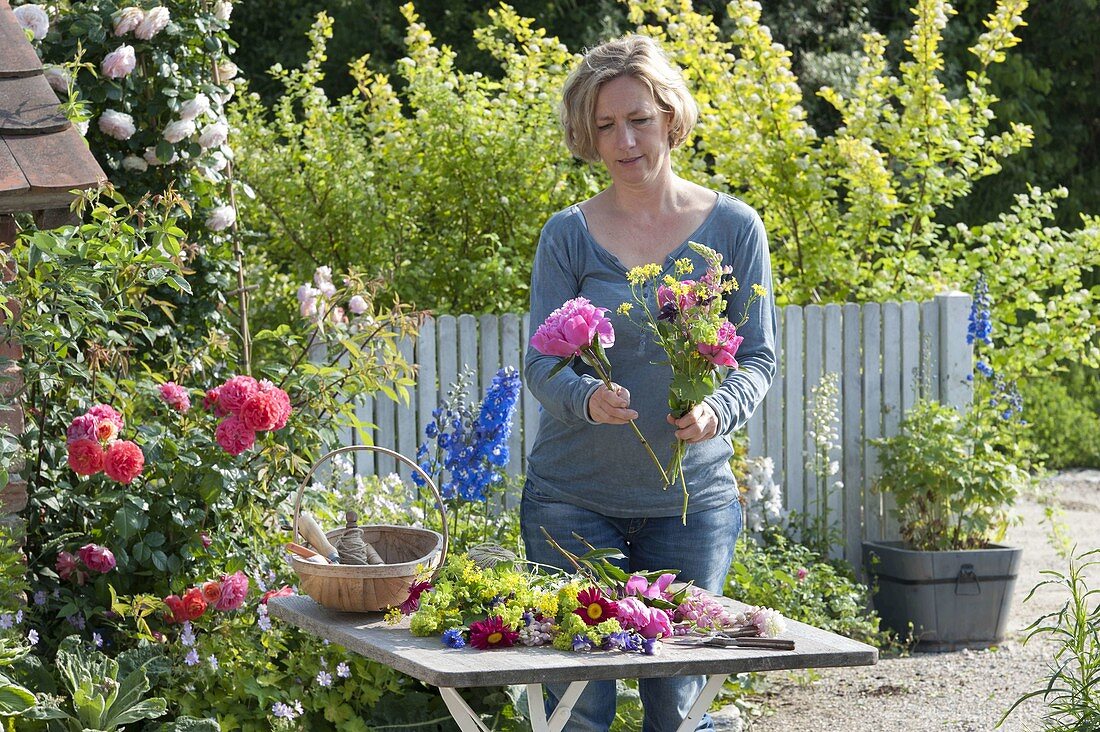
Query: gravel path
(965,690)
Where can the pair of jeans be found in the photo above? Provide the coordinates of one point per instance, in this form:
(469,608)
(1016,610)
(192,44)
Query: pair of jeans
(701,551)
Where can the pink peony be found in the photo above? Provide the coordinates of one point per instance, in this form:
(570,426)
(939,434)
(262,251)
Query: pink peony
(86,457)
(261,411)
(84,427)
(65,565)
(234,393)
(119,62)
(97,558)
(118,125)
(124,461)
(234,590)
(650,622)
(175,396)
(234,436)
(637,585)
(154,22)
(571,328)
(109,415)
(722,353)
(126,20)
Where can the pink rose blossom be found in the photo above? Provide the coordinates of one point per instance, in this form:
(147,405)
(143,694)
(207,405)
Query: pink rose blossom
(571,328)
(195,107)
(235,392)
(802,573)
(175,396)
(127,19)
(108,414)
(154,22)
(234,436)
(234,590)
(214,135)
(84,427)
(357,305)
(118,125)
(212,591)
(124,461)
(65,565)
(178,130)
(261,411)
(221,218)
(223,9)
(723,352)
(119,62)
(206,540)
(86,457)
(97,558)
(211,401)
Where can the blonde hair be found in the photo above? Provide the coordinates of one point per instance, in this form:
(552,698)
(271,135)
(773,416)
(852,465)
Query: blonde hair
(641,58)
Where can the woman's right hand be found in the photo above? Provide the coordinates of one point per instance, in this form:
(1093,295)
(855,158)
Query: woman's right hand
(611,406)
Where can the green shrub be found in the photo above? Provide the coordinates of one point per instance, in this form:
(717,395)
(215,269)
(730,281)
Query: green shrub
(1064,417)
(792,579)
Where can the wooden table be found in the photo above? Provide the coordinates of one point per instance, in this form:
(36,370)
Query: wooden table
(428,660)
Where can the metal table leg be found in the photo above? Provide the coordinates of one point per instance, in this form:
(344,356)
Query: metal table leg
(467,720)
(702,703)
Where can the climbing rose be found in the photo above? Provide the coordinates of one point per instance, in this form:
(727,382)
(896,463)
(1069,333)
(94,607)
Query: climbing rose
(84,427)
(193,604)
(65,565)
(212,591)
(214,135)
(175,604)
(33,18)
(179,130)
(124,461)
(195,107)
(118,125)
(127,19)
(119,62)
(154,22)
(262,410)
(234,590)
(235,392)
(234,436)
(86,457)
(97,558)
(221,218)
(223,9)
(110,421)
(175,396)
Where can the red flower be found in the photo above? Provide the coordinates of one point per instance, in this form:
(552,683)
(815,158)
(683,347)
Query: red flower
(124,461)
(595,608)
(193,604)
(284,591)
(65,565)
(212,591)
(86,457)
(233,393)
(234,436)
(412,603)
(261,411)
(491,633)
(175,604)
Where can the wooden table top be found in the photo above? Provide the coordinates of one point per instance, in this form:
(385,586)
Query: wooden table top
(429,660)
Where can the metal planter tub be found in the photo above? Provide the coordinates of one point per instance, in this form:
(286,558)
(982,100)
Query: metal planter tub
(947,600)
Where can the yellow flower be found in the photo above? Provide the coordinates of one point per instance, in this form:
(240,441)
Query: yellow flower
(640,275)
(624,309)
(760,290)
(684,266)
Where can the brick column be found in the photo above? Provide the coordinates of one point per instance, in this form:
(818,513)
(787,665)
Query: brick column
(13,496)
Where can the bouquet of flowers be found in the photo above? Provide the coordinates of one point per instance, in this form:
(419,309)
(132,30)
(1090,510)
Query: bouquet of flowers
(692,328)
(579,329)
(599,607)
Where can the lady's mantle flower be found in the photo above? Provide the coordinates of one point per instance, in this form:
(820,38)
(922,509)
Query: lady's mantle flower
(452,638)
(34,19)
(119,62)
(492,633)
(595,608)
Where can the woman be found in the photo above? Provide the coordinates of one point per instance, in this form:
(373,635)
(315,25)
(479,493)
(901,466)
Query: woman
(627,107)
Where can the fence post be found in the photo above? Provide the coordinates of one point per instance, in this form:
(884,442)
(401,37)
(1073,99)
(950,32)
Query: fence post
(956,355)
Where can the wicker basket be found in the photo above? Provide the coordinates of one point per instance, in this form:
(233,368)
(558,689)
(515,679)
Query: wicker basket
(372,587)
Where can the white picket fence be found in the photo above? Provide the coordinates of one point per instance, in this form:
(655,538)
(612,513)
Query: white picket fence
(886,356)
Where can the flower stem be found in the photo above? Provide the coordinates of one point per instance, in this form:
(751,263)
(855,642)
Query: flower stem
(606,378)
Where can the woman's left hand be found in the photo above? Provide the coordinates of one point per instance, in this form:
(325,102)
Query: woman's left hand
(701,423)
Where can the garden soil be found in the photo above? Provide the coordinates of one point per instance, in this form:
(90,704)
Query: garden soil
(967,691)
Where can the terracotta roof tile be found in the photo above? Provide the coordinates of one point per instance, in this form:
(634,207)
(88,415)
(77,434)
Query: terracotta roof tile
(42,156)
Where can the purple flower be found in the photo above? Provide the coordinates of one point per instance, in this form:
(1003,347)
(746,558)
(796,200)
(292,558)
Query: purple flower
(342,670)
(324,678)
(650,647)
(187,637)
(453,638)
(192,658)
(213,661)
(581,642)
(97,639)
(32,637)
(571,328)
(40,597)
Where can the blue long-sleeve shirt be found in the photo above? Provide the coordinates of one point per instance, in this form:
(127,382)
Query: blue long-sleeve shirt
(603,467)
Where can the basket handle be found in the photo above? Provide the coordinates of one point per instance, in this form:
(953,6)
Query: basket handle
(396,456)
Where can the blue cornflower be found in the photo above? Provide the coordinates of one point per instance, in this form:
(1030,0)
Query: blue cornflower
(453,638)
